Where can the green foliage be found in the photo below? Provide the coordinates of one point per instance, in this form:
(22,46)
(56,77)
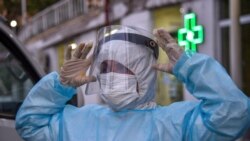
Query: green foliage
(34,6)
(13,7)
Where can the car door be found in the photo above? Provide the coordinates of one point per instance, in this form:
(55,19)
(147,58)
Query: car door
(18,73)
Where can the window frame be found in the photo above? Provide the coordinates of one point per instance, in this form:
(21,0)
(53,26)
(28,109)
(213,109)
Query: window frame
(9,40)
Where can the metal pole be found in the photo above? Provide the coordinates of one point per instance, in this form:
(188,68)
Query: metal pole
(24,11)
(107,12)
(235,43)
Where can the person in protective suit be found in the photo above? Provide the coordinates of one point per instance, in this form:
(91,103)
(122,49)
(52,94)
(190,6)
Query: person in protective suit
(127,84)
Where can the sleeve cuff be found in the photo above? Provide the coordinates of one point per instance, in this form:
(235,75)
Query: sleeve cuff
(64,90)
(179,64)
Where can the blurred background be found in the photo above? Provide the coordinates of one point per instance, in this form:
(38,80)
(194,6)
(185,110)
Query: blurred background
(46,27)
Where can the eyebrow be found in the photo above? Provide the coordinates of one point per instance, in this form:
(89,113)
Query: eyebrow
(114,66)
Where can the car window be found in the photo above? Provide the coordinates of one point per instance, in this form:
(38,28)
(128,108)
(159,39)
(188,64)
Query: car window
(14,83)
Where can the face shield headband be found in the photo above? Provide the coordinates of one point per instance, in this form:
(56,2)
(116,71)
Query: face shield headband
(133,38)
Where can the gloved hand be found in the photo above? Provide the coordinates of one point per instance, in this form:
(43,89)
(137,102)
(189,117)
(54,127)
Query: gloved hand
(73,71)
(169,45)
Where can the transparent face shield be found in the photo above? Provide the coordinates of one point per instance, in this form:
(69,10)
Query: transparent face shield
(120,56)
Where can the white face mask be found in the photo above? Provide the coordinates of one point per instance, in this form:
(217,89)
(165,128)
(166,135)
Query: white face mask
(118,90)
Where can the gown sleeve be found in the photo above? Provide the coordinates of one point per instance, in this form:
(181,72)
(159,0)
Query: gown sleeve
(39,117)
(223,112)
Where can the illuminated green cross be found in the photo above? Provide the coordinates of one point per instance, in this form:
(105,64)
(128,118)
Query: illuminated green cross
(191,34)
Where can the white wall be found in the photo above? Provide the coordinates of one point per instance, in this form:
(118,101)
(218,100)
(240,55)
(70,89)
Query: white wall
(86,37)
(52,53)
(141,20)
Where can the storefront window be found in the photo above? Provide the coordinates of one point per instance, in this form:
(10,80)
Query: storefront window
(225,7)
(224,12)
(245,7)
(245,29)
(225,48)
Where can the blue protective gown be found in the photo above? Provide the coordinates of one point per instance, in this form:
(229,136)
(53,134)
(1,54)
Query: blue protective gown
(222,114)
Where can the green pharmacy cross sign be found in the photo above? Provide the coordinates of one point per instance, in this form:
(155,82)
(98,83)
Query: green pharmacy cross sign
(192,34)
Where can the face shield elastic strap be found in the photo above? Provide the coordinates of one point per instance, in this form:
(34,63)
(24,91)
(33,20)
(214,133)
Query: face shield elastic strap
(134,38)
